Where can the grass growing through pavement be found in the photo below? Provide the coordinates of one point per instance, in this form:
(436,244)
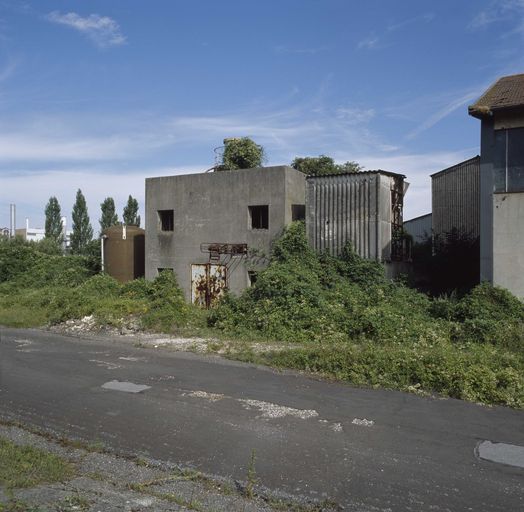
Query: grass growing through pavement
(25,466)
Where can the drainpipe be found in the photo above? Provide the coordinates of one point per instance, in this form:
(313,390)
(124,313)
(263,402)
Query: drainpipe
(102,259)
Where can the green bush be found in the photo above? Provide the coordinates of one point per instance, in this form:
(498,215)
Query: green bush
(167,307)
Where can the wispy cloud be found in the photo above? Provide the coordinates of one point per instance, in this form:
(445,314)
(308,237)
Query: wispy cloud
(373,41)
(282,49)
(498,11)
(354,115)
(370,42)
(446,110)
(7,71)
(102,30)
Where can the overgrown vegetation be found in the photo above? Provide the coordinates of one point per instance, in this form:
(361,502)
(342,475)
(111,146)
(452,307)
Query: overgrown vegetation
(37,288)
(338,317)
(25,466)
(355,325)
(323,165)
(241,153)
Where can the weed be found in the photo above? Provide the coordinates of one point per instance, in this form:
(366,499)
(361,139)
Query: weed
(25,466)
(251,477)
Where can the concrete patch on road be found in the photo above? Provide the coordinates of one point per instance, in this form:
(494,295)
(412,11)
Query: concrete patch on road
(270,410)
(502,453)
(127,387)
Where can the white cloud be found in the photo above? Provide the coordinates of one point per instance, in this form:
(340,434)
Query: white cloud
(102,30)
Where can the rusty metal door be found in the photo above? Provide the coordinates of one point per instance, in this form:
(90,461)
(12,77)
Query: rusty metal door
(208,284)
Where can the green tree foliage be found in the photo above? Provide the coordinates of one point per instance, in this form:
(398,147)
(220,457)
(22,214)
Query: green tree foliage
(109,216)
(53,220)
(323,165)
(131,217)
(241,153)
(82,231)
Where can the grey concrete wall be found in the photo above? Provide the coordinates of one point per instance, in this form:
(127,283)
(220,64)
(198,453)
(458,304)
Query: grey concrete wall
(487,149)
(350,207)
(213,208)
(455,197)
(508,241)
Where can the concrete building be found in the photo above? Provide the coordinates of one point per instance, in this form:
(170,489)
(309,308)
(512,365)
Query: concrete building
(207,227)
(455,198)
(501,111)
(363,208)
(419,228)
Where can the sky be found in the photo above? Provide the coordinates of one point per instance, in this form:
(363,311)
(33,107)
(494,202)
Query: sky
(98,95)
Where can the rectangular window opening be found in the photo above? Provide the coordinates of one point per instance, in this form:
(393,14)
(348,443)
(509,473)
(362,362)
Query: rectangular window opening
(166,219)
(298,212)
(252,277)
(259,216)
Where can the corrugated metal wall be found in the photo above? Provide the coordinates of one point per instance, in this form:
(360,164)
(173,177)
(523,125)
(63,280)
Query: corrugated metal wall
(419,228)
(455,194)
(350,207)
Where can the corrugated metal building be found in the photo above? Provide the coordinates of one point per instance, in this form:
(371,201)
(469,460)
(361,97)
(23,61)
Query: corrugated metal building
(419,228)
(455,197)
(363,208)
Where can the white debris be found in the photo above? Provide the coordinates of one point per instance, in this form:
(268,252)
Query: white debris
(270,410)
(212,397)
(363,422)
(105,364)
(336,427)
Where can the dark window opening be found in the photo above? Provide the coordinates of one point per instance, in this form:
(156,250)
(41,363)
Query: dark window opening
(508,160)
(298,212)
(259,216)
(167,220)
(252,276)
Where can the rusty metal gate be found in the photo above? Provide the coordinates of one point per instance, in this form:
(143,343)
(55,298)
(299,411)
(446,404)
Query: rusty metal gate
(208,284)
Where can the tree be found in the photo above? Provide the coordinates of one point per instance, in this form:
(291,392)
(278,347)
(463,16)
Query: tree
(322,165)
(109,217)
(241,153)
(82,231)
(131,217)
(53,220)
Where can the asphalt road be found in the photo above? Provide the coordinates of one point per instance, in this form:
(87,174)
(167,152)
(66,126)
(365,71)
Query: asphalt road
(368,450)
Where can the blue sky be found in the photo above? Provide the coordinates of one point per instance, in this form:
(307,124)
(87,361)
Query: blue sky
(98,95)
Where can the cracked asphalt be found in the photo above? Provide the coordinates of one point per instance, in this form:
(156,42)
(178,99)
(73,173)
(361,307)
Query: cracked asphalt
(367,450)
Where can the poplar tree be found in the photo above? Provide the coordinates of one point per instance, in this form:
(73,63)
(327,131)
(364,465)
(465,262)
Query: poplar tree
(131,217)
(53,220)
(82,231)
(109,216)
